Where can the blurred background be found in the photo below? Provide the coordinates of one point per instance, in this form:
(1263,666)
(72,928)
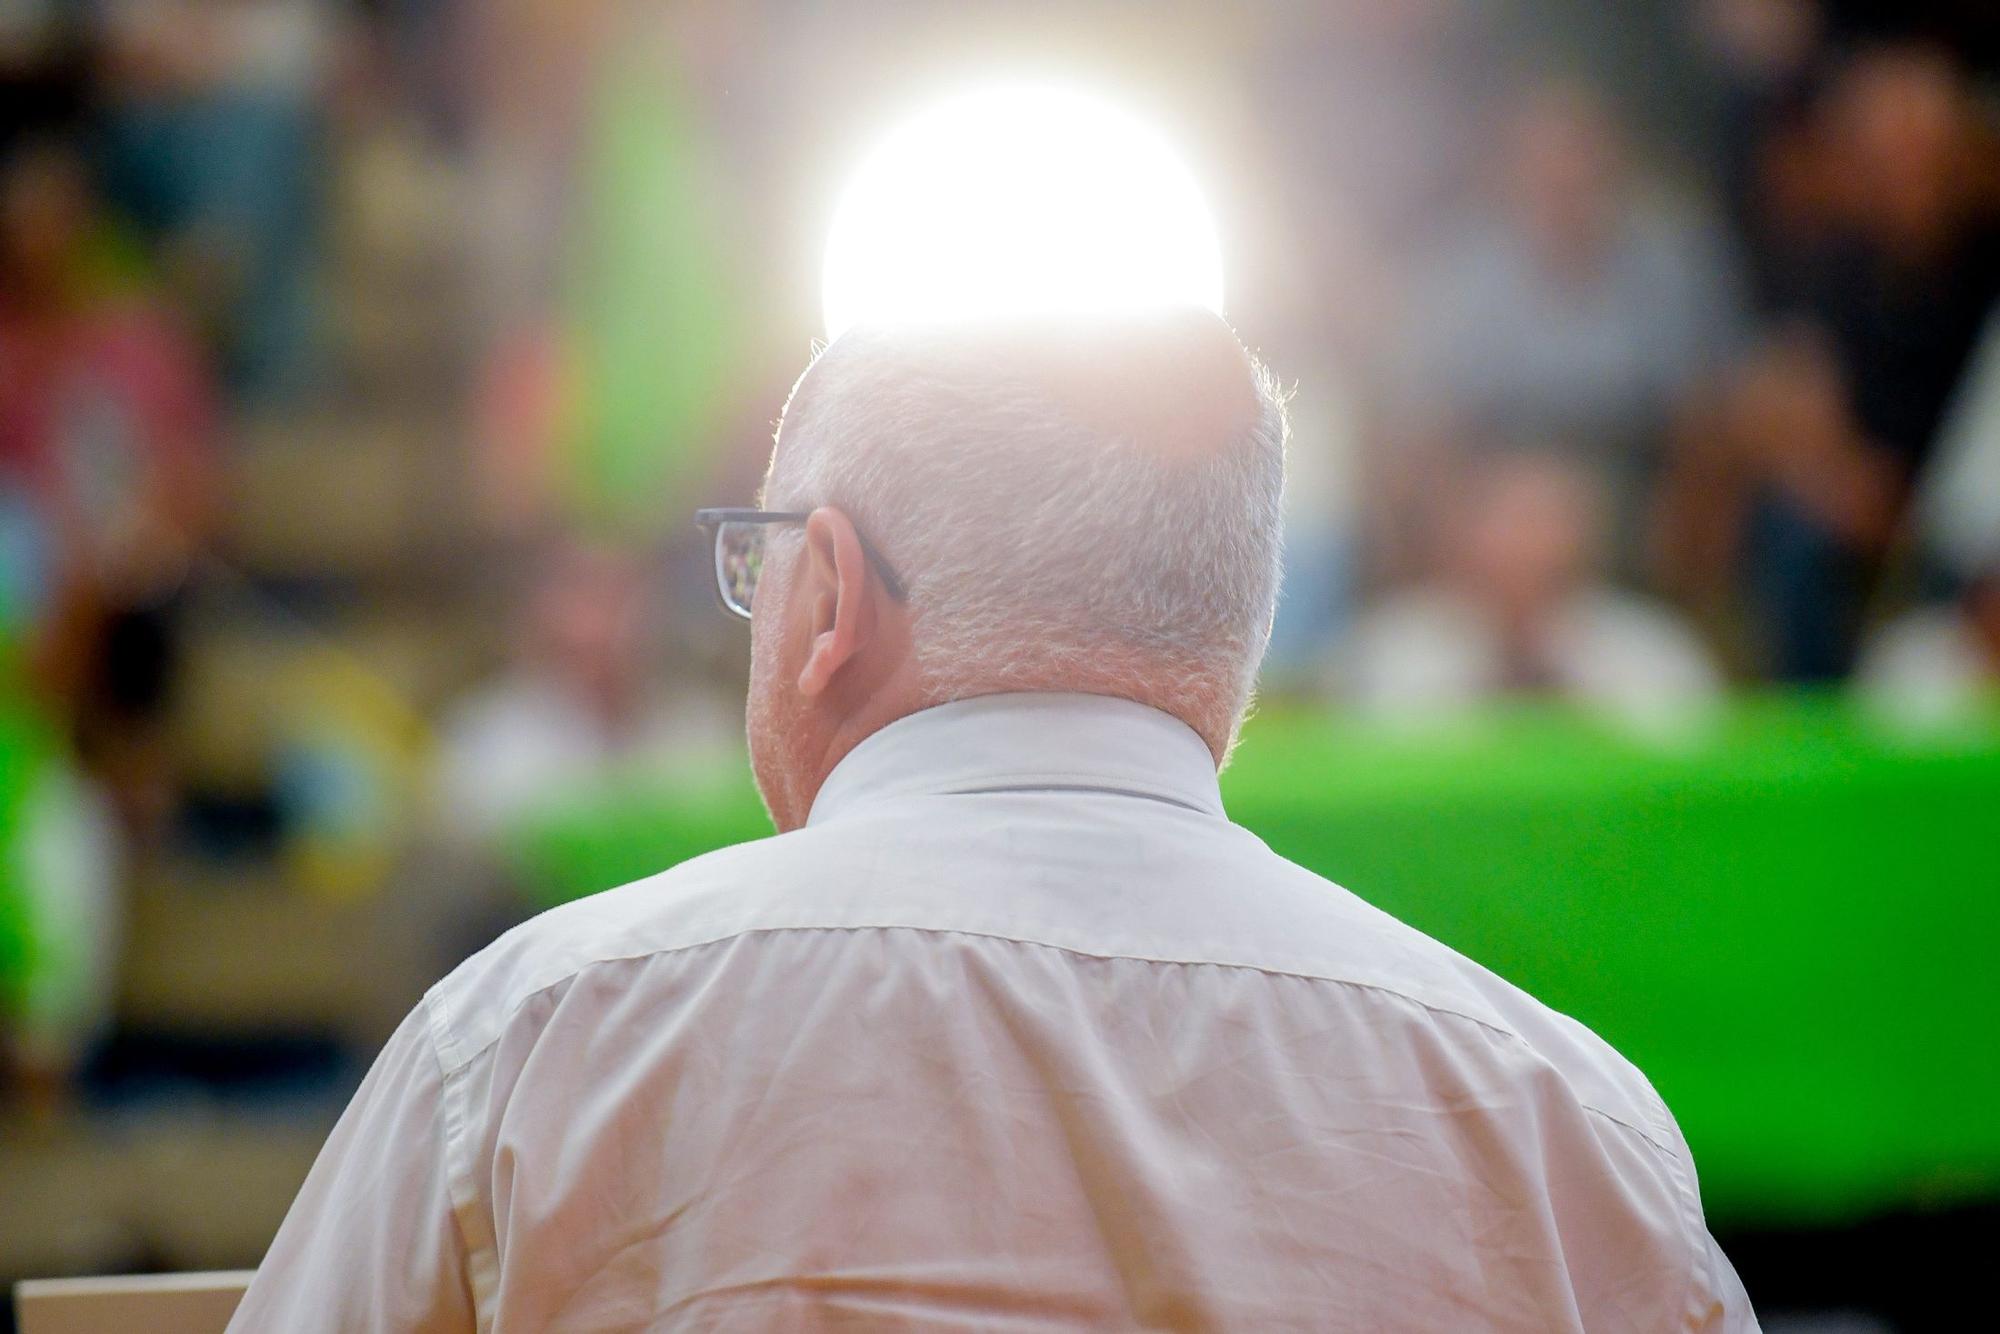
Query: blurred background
(361,363)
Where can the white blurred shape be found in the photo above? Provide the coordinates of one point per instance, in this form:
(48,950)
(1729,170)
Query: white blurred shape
(1019,199)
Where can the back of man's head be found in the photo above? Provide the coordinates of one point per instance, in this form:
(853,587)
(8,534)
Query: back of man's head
(1091,504)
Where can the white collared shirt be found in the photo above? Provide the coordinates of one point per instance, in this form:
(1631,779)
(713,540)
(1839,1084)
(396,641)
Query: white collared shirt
(1018,1032)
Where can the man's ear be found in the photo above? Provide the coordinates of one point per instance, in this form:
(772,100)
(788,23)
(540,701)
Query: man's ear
(841,617)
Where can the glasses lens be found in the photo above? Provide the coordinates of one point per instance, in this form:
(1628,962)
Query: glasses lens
(739,558)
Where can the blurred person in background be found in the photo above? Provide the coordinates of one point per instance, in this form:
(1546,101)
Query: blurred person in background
(211,132)
(1777,498)
(585,702)
(1315,598)
(1522,606)
(104,418)
(1381,110)
(1905,288)
(1938,664)
(107,418)
(1576,302)
(1778,185)
(1882,214)
(1009,1024)
(1380,106)
(588,703)
(44,53)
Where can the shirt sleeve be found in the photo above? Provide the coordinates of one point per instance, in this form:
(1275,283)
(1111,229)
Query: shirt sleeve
(1729,1311)
(371,1242)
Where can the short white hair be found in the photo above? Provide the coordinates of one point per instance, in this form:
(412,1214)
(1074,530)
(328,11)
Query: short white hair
(1061,501)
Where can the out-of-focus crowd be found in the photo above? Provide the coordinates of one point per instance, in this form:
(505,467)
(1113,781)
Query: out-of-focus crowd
(361,362)
(1625,420)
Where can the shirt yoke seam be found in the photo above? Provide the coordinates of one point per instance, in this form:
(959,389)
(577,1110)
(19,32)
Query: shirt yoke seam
(464,1058)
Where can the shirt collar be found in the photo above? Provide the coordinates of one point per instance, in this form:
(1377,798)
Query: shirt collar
(1027,742)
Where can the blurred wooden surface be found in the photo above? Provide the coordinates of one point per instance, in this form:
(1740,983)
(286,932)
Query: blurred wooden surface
(156,1303)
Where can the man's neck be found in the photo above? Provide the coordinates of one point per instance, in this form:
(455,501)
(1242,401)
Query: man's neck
(898,696)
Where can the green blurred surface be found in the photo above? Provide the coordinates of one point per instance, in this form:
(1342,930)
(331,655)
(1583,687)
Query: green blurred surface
(1790,920)
(1791,925)
(26,748)
(649,294)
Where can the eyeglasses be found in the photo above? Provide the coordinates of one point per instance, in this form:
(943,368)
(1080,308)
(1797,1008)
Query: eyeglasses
(739,554)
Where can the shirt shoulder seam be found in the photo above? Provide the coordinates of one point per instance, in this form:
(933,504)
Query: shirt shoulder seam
(459,1187)
(461,1057)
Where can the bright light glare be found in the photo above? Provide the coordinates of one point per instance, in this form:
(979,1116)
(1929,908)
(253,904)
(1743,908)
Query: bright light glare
(1019,200)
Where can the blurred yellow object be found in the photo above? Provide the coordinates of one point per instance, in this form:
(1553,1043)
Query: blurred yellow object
(349,762)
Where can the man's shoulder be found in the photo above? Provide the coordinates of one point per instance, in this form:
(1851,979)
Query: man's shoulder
(700,901)
(1221,900)
(1452,996)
